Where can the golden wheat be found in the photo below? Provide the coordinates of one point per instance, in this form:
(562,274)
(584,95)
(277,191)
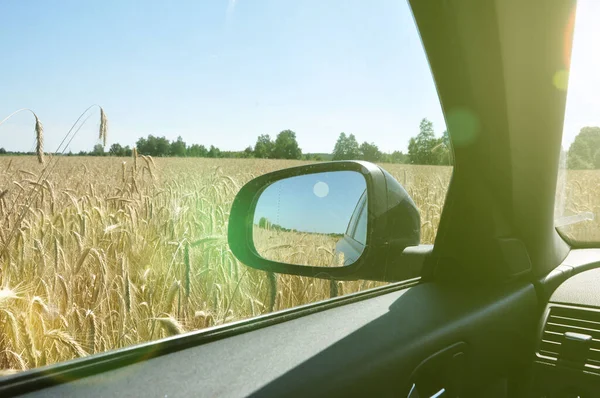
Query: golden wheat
(110,254)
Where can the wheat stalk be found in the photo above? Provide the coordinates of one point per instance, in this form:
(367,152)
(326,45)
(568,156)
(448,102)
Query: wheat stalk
(188,270)
(127,292)
(39,132)
(103,126)
(134,154)
(39,135)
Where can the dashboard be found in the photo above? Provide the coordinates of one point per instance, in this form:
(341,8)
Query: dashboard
(567,359)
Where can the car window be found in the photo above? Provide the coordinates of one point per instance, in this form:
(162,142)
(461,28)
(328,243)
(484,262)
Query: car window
(115,217)
(356,214)
(577,210)
(360,232)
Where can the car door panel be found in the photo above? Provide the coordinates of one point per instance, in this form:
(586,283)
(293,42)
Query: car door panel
(368,347)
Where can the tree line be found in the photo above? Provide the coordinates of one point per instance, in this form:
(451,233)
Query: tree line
(424,148)
(265,223)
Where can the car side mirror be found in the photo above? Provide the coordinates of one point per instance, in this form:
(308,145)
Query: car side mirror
(342,220)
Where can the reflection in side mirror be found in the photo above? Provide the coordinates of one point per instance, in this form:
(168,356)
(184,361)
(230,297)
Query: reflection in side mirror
(317,219)
(343,220)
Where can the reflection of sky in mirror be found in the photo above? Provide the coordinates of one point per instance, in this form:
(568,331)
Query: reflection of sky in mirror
(321,202)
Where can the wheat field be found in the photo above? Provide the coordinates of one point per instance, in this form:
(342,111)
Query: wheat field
(112,252)
(298,248)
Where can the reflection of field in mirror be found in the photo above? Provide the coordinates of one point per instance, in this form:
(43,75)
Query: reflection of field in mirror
(300,248)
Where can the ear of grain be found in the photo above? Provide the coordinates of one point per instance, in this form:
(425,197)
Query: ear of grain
(40,306)
(92,326)
(64,299)
(173,290)
(39,138)
(67,341)
(18,360)
(81,260)
(134,154)
(103,126)
(11,329)
(171,326)
(27,341)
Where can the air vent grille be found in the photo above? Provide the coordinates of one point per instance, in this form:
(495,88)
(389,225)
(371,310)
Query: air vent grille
(568,319)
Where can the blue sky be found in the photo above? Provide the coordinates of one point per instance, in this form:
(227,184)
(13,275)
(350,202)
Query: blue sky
(216,72)
(322,202)
(222,72)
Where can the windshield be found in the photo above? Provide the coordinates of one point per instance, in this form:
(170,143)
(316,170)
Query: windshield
(577,212)
(127,130)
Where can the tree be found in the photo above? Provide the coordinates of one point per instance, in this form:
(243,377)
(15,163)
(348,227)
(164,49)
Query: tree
(264,147)
(370,152)
(178,148)
(162,146)
(248,152)
(116,150)
(575,162)
(286,146)
(399,157)
(421,148)
(197,151)
(214,152)
(447,155)
(98,150)
(584,152)
(443,151)
(346,148)
(153,146)
(127,151)
(264,222)
(146,146)
(2,151)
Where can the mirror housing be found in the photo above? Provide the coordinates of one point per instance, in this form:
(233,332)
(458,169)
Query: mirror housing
(393,225)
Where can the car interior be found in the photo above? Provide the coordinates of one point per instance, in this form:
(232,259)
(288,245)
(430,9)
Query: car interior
(501,305)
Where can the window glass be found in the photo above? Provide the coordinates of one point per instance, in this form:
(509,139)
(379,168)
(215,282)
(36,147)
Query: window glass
(114,220)
(355,215)
(360,233)
(578,189)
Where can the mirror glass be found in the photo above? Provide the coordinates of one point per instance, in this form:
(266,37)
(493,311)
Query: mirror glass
(315,219)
